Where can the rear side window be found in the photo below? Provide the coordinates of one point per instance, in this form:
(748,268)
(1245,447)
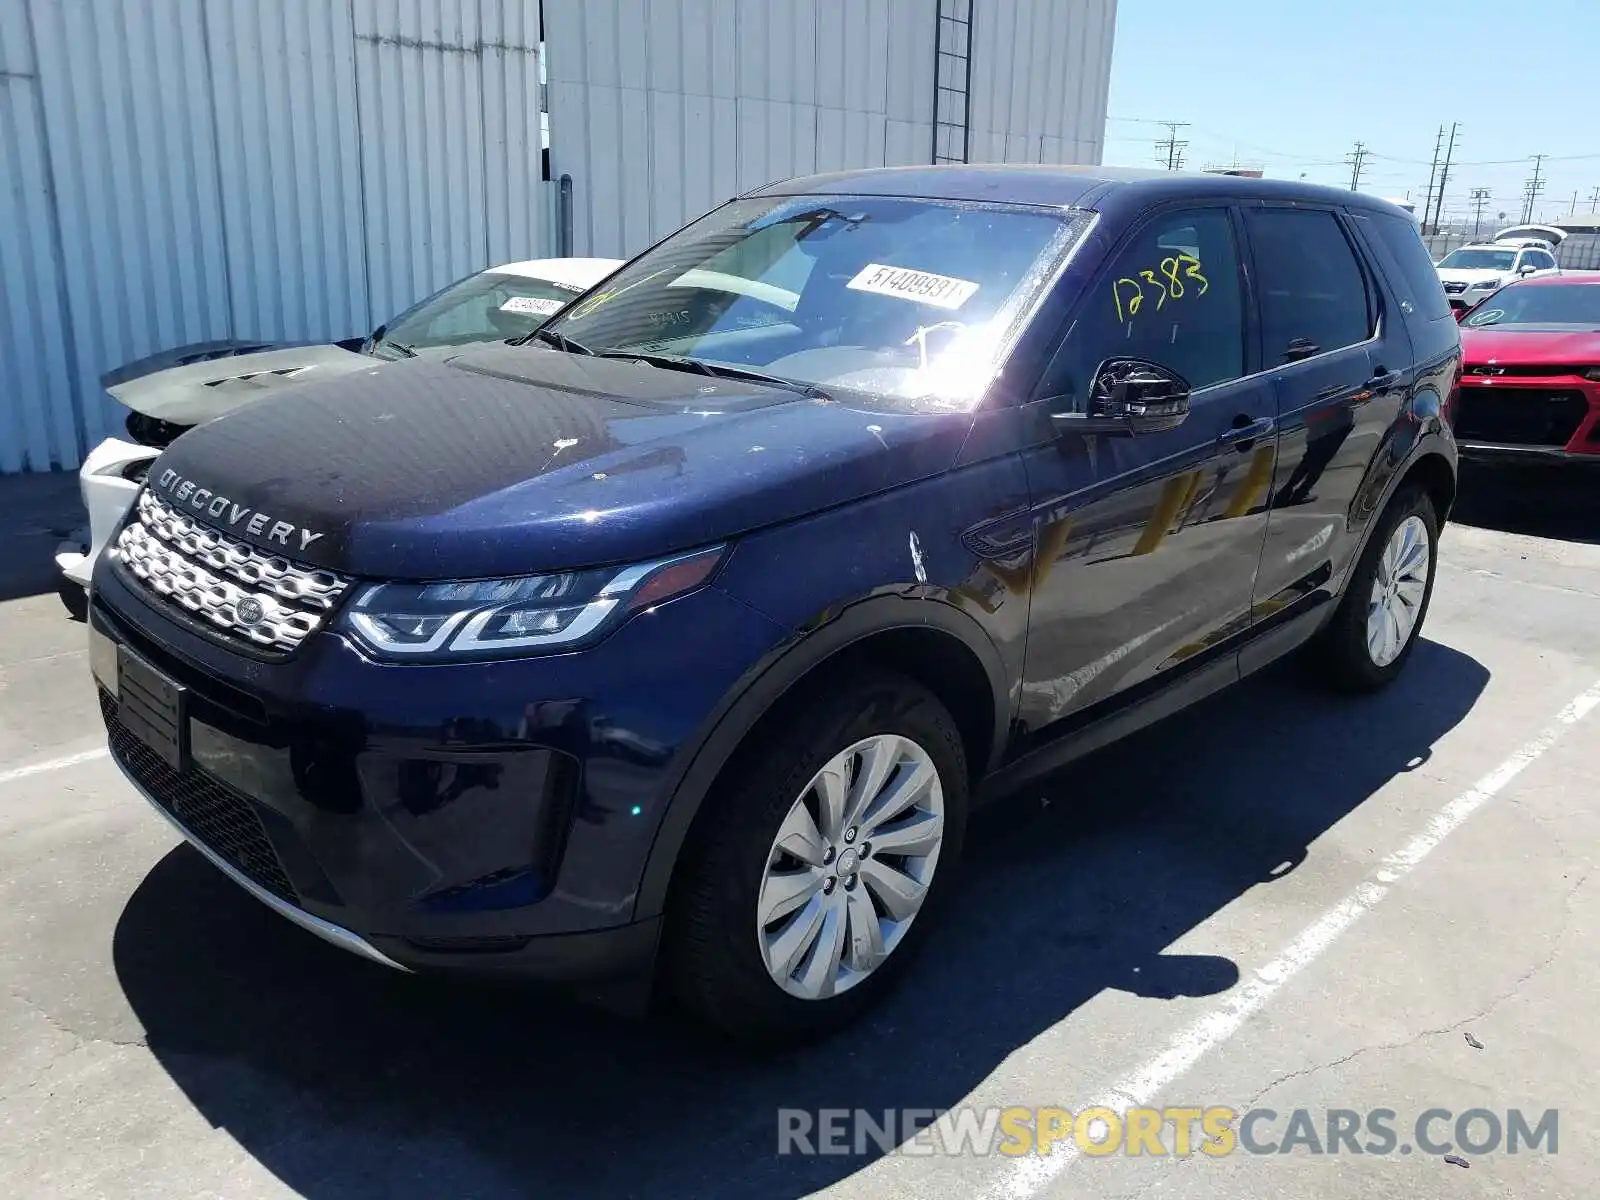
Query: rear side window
(1411,273)
(1313,294)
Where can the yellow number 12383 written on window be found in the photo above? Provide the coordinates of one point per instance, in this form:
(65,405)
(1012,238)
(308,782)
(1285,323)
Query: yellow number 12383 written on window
(1128,294)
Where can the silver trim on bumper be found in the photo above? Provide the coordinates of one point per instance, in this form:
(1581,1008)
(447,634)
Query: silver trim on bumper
(325,930)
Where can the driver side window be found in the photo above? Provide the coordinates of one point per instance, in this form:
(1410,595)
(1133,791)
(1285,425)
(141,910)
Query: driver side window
(1170,296)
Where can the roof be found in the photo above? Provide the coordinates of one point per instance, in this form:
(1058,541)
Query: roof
(1058,186)
(581,273)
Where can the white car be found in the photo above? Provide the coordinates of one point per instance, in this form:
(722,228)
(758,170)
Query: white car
(170,392)
(1469,273)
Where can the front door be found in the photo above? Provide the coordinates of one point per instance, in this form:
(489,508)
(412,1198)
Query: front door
(1146,546)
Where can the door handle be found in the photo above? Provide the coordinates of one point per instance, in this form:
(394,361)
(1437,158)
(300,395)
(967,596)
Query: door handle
(1246,430)
(1383,380)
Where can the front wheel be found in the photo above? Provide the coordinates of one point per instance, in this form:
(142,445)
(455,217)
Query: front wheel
(1375,629)
(819,860)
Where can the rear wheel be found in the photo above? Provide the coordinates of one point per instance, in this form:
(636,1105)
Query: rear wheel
(1375,629)
(819,860)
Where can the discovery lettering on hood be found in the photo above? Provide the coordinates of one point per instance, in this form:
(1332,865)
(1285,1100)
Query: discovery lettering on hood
(220,508)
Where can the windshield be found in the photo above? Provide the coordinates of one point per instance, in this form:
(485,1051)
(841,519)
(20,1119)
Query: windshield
(486,307)
(909,298)
(1480,260)
(1541,305)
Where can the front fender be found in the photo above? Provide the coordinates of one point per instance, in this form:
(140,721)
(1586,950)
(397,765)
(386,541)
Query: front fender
(920,557)
(702,761)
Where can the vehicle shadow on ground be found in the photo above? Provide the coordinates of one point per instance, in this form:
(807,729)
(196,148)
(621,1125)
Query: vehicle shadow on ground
(1550,503)
(348,1081)
(36,512)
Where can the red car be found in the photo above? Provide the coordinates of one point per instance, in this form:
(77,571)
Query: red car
(1530,387)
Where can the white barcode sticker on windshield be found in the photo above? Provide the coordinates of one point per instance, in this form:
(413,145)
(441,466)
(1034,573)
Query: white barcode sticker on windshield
(924,287)
(537,305)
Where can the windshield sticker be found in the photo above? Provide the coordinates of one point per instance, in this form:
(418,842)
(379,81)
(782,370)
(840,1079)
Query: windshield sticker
(923,287)
(537,305)
(1128,294)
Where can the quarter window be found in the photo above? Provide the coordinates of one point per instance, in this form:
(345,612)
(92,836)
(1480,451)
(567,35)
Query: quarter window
(1171,296)
(1412,275)
(1313,293)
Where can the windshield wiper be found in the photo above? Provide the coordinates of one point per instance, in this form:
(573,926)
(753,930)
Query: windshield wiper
(559,340)
(402,347)
(673,362)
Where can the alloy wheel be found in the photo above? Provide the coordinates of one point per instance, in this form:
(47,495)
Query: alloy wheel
(850,866)
(1398,590)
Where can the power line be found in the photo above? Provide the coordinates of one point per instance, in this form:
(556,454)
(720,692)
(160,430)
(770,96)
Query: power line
(1480,201)
(1532,189)
(1444,174)
(1355,159)
(1173,147)
(1433,175)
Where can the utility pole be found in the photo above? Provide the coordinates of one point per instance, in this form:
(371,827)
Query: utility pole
(1444,175)
(1172,148)
(1480,201)
(1532,189)
(1355,158)
(1433,174)
(1594,200)
(1574,207)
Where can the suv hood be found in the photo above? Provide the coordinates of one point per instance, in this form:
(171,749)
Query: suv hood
(195,384)
(520,459)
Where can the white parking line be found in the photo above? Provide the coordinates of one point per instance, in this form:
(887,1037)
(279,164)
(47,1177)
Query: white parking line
(54,764)
(1028,1177)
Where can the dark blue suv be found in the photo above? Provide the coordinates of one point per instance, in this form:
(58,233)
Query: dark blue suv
(675,644)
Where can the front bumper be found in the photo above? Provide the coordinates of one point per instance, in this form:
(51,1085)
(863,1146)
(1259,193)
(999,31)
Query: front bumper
(1511,419)
(488,817)
(1470,296)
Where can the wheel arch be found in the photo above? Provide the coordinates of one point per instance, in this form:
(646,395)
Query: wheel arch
(930,641)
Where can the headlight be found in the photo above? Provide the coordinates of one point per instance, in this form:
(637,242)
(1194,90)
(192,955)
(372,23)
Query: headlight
(529,614)
(1592,373)
(1486,283)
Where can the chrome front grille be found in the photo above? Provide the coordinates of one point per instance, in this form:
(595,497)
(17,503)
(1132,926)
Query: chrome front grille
(212,576)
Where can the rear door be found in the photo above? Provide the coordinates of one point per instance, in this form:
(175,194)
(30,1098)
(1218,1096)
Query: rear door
(1339,372)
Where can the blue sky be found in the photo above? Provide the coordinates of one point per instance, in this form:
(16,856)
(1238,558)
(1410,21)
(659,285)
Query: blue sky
(1293,84)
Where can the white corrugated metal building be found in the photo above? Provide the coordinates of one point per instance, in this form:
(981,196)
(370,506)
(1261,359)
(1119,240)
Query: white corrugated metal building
(183,170)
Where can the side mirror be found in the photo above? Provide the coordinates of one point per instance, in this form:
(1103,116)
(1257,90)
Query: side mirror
(1129,396)
(1526,269)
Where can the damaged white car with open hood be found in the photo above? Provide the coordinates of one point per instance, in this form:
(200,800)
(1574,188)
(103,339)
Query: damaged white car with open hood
(171,392)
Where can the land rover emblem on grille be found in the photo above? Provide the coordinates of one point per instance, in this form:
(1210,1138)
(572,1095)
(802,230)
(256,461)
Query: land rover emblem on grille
(257,596)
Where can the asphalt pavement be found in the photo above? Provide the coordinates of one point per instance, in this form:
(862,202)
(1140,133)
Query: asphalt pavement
(1280,900)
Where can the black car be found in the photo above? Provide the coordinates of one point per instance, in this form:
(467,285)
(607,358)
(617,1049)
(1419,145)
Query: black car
(675,645)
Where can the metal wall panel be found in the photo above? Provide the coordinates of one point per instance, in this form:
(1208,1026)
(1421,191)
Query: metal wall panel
(661,109)
(180,170)
(36,412)
(1041,74)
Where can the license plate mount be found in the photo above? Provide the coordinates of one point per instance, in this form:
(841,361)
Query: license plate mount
(151,706)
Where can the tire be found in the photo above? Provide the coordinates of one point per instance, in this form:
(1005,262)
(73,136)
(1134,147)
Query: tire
(714,952)
(1342,656)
